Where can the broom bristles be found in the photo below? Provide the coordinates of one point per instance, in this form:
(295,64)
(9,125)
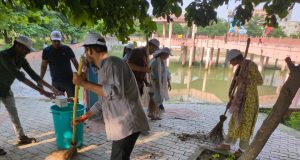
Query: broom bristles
(216,135)
(71,152)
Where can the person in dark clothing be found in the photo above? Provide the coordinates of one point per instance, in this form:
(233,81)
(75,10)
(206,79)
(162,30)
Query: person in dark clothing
(127,51)
(138,62)
(11,61)
(59,58)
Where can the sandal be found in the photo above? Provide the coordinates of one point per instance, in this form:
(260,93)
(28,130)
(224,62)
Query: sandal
(238,153)
(223,147)
(26,140)
(2,152)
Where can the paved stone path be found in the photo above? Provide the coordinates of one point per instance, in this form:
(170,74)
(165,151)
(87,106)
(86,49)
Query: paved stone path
(161,143)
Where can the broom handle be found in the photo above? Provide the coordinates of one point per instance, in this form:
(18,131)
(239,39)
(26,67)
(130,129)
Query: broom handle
(234,82)
(79,71)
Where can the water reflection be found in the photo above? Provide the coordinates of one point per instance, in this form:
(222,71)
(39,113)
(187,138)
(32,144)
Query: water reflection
(198,84)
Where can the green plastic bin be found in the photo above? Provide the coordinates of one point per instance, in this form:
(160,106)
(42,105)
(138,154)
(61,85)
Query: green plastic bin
(62,120)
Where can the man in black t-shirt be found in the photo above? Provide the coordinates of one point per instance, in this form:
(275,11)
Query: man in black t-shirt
(59,58)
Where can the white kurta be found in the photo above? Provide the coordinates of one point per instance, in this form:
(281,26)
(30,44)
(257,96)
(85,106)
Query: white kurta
(159,75)
(121,109)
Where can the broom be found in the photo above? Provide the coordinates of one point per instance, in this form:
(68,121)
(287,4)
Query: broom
(216,135)
(73,150)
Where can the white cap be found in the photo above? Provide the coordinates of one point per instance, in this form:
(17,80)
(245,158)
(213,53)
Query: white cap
(155,42)
(55,36)
(163,50)
(129,45)
(232,54)
(93,38)
(27,42)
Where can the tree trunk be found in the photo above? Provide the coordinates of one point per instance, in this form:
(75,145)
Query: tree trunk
(287,93)
(6,38)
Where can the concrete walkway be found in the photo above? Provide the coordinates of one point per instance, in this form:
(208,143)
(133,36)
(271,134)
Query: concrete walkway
(162,143)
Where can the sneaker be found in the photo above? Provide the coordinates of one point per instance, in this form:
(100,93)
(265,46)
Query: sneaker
(26,140)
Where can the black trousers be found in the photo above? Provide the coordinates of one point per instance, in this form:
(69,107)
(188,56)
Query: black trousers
(122,149)
(68,87)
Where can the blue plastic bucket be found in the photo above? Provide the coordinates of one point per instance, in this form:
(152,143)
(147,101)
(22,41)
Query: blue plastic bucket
(62,120)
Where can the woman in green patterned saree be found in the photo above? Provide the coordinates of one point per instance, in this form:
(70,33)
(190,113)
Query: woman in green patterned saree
(244,106)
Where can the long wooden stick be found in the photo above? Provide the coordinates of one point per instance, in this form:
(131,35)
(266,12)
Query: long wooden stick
(79,71)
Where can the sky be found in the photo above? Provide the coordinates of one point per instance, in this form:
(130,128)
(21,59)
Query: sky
(223,12)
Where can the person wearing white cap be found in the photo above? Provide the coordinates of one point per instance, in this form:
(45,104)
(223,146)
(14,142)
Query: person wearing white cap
(127,51)
(160,79)
(119,100)
(59,58)
(244,103)
(11,61)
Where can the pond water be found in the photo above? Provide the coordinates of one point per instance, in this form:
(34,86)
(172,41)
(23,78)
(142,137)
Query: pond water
(196,84)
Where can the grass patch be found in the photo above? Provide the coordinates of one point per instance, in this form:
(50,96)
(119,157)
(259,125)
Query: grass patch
(292,119)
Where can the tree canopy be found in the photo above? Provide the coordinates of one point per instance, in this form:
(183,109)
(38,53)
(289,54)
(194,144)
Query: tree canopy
(118,17)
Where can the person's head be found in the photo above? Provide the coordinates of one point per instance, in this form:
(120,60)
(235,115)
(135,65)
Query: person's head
(163,53)
(128,48)
(95,48)
(153,45)
(234,56)
(56,39)
(23,46)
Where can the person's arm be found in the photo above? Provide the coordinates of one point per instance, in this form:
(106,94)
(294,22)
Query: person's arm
(44,66)
(72,57)
(96,88)
(38,79)
(114,86)
(95,109)
(290,64)
(12,70)
(39,89)
(75,62)
(169,79)
(138,68)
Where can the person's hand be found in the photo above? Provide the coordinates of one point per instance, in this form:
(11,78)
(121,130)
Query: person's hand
(147,69)
(47,94)
(84,76)
(149,85)
(288,59)
(169,86)
(240,79)
(56,91)
(78,80)
(81,119)
(39,85)
(71,100)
